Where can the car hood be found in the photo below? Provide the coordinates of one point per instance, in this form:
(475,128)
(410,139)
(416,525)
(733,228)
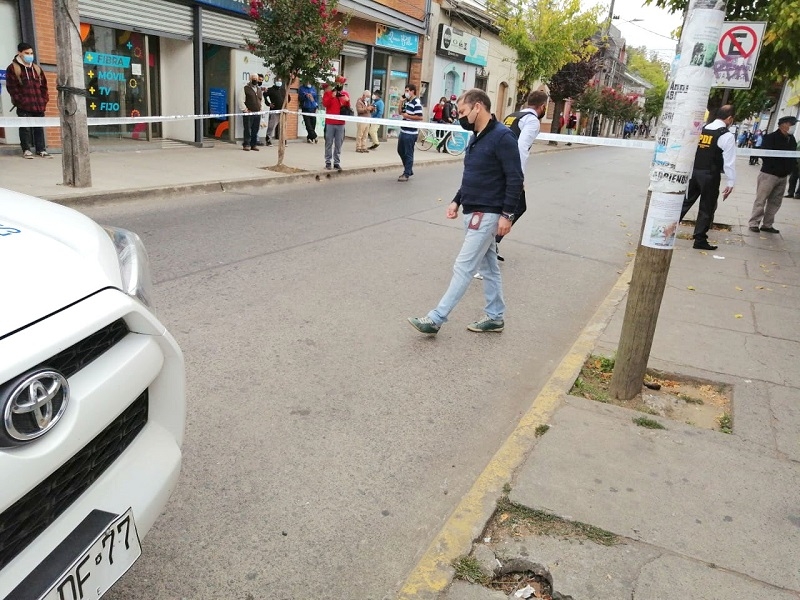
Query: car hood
(50,257)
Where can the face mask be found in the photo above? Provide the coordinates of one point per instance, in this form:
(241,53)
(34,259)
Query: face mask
(279,83)
(28,58)
(407,94)
(465,124)
(374,97)
(254,83)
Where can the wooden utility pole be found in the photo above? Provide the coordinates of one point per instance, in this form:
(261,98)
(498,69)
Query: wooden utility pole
(679,127)
(72,96)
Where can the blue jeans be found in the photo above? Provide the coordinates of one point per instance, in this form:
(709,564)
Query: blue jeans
(478,253)
(405,148)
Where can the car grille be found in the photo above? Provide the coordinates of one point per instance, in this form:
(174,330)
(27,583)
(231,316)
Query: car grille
(73,359)
(39,508)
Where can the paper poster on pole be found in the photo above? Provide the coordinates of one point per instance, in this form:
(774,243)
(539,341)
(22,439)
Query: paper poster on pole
(737,54)
(682,117)
(661,222)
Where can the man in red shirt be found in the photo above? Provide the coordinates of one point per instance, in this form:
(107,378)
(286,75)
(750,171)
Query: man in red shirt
(27,87)
(334,100)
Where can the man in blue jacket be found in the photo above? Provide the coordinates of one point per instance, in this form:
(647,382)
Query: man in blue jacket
(489,196)
(307,95)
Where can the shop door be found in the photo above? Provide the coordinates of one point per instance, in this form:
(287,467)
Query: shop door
(216,93)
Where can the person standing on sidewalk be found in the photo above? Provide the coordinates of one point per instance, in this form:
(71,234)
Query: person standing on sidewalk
(333,101)
(307,94)
(772,179)
(489,194)
(716,152)
(363,110)
(251,106)
(276,94)
(411,111)
(377,113)
(449,116)
(794,189)
(27,87)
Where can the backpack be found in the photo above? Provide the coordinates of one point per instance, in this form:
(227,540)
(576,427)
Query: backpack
(453,110)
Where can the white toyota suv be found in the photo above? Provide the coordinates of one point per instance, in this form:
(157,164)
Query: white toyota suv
(92,405)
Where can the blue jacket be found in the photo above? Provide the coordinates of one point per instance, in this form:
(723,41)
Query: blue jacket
(492,180)
(378,114)
(305,104)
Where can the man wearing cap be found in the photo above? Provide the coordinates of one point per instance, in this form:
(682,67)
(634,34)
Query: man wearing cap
(334,101)
(716,153)
(27,87)
(772,178)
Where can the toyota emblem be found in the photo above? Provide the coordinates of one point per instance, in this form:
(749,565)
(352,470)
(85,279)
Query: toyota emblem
(32,405)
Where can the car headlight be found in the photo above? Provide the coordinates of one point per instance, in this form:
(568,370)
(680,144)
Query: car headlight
(134,265)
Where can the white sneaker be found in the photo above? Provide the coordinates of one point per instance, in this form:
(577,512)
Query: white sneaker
(27,154)
(44,154)
(478,276)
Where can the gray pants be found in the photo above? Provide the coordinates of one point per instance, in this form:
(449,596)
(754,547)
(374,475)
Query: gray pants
(334,137)
(769,195)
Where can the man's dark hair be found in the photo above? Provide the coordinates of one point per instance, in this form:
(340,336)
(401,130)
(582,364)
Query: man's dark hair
(725,112)
(411,88)
(537,98)
(24,46)
(378,93)
(476,95)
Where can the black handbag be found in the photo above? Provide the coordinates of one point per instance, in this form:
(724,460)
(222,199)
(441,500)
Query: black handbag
(346,111)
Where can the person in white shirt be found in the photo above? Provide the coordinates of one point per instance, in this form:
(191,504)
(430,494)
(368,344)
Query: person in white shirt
(716,153)
(525,124)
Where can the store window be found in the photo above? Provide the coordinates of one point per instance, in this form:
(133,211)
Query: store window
(216,81)
(121,78)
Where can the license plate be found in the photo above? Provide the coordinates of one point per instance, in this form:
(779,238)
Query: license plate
(107,559)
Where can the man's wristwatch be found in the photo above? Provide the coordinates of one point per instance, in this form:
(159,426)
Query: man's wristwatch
(509,216)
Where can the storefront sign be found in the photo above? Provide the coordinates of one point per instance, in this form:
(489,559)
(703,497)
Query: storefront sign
(239,6)
(463,46)
(394,39)
(107,60)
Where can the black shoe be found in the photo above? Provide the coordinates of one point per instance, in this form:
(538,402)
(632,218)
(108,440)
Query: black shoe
(337,167)
(373,147)
(754,229)
(790,195)
(328,166)
(703,246)
(500,258)
(770,230)
(797,196)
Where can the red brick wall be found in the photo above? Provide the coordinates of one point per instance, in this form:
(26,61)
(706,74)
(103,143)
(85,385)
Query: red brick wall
(45,48)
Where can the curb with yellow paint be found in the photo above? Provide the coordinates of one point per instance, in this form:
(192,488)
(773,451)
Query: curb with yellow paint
(433,572)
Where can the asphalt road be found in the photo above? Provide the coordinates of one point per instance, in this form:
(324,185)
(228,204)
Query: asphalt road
(326,440)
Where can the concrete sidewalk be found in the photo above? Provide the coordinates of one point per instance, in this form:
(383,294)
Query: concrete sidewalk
(700,514)
(146,168)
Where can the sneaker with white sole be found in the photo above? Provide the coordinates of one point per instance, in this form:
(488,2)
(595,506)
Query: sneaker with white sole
(487,324)
(424,325)
(27,154)
(45,154)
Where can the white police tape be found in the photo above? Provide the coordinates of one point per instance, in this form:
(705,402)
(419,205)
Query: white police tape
(396,123)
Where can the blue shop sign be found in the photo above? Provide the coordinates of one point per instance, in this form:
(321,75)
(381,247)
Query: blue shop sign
(107,60)
(394,39)
(238,6)
(217,101)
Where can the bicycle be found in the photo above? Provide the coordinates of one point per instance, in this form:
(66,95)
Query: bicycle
(455,144)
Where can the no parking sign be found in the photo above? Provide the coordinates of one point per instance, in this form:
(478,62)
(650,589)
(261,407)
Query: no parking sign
(737,54)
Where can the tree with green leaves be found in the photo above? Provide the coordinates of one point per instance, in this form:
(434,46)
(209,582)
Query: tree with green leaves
(779,59)
(297,38)
(546,36)
(655,72)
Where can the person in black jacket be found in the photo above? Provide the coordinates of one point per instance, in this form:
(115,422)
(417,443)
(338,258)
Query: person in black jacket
(772,178)
(489,196)
(276,94)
